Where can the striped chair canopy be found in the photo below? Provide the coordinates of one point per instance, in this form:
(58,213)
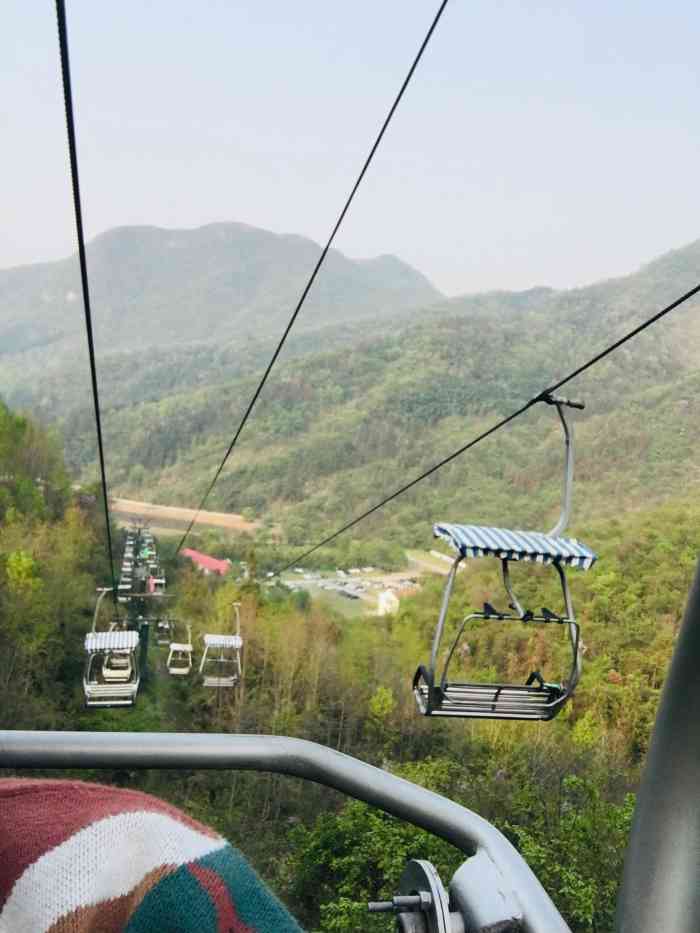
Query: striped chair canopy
(116,640)
(480,541)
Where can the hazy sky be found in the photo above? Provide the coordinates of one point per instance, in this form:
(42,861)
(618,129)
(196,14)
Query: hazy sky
(540,143)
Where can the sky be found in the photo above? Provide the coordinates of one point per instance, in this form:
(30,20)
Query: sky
(538,144)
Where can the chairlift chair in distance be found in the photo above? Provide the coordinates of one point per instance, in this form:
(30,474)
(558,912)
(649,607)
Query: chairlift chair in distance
(180,656)
(536,699)
(111,676)
(116,666)
(221,662)
(164,632)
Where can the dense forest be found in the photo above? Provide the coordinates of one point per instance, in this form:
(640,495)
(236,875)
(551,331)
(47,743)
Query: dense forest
(563,792)
(369,392)
(354,408)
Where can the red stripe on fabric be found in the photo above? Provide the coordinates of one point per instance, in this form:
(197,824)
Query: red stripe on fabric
(214,885)
(38,815)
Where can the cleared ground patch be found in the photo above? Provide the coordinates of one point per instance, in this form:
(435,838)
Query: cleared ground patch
(173,517)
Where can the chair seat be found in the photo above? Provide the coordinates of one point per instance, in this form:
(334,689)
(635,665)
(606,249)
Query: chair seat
(488,701)
(213,681)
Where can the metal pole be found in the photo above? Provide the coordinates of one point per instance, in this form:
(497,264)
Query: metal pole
(565,512)
(443,614)
(103,592)
(309,761)
(661,882)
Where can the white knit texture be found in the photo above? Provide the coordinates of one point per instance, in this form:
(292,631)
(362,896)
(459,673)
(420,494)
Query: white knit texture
(104,860)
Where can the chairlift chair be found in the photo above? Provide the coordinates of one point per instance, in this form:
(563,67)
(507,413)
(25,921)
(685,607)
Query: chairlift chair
(221,661)
(111,676)
(164,631)
(536,699)
(180,656)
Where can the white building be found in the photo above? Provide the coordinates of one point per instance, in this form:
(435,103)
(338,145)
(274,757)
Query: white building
(387,603)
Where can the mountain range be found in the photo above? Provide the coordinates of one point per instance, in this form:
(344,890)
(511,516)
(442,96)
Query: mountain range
(382,377)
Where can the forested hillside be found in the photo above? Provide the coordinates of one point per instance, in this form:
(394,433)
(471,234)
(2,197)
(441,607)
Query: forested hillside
(174,308)
(561,791)
(348,416)
(337,430)
(50,555)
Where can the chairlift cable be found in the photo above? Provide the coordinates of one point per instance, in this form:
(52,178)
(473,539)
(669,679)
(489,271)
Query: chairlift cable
(72,149)
(317,267)
(542,396)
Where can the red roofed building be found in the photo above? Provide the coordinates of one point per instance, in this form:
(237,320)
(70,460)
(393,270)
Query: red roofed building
(207,564)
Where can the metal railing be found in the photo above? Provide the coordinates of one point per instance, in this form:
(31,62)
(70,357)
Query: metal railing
(496,864)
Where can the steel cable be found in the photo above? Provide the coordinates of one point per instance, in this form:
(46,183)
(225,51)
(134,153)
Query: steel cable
(316,268)
(72,149)
(499,424)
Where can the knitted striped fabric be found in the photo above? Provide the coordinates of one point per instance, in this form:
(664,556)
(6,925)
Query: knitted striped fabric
(83,858)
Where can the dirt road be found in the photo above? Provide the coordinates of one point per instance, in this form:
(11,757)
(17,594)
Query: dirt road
(171,516)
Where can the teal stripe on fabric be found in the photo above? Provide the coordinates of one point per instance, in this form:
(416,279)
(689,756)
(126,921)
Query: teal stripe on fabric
(255,904)
(176,904)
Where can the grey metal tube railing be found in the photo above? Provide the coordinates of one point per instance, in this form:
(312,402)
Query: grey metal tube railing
(437,637)
(567,490)
(103,593)
(298,758)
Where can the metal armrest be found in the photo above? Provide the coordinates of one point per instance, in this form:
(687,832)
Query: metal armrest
(296,757)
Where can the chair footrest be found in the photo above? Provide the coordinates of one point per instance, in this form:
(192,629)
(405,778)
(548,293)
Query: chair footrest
(490,701)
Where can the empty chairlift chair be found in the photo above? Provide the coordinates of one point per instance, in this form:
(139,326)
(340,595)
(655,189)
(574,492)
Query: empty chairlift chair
(164,632)
(221,662)
(438,695)
(124,589)
(111,675)
(180,656)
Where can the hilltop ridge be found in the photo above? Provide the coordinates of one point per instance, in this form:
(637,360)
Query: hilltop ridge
(153,287)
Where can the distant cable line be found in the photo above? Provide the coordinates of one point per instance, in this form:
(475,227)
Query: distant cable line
(317,267)
(497,427)
(72,148)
